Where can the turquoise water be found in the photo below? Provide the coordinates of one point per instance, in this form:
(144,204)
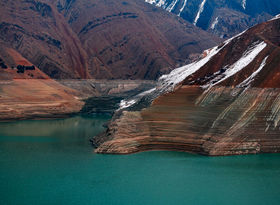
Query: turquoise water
(52,162)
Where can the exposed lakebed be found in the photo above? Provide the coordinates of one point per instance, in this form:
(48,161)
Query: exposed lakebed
(52,162)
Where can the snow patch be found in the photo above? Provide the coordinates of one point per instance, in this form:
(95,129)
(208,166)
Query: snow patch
(214,24)
(125,104)
(249,80)
(275,17)
(183,7)
(171,6)
(243,62)
(158,3)
(179,74)
(244,4)
(201,8)
(168,82)
(146,92)
(129,102)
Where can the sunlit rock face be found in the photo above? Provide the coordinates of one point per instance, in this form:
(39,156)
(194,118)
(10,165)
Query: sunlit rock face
(227,103)
(223,18)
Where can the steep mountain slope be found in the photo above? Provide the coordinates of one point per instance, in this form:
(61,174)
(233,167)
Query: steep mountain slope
(249,60)
(226,103)
(103,39)
(221,17)
(38,32)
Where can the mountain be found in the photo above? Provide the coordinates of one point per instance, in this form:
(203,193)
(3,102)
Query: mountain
(220,17)
(101,39)
(227,103)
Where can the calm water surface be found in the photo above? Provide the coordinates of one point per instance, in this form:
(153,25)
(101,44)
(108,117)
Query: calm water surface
(52,162)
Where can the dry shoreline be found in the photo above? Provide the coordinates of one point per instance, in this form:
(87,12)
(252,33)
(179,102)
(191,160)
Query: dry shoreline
(22,99)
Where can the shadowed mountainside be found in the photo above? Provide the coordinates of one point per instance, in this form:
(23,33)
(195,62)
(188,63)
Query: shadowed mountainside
(220,17)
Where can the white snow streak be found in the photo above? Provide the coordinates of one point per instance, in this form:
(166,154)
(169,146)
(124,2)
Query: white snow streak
(216,21)
(179,74)
(247,82)
(171,6)
(125,104)
(183,7)
(243,62)
(169,81)
(275,17)
(244,4)
(201,8)
(146,92)
(128,103)
(157,3)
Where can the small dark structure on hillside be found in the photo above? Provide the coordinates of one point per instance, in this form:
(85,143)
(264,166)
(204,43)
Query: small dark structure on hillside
(30,67)
(2,64)
(22,68)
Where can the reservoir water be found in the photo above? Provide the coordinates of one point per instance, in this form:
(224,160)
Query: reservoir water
(52,162)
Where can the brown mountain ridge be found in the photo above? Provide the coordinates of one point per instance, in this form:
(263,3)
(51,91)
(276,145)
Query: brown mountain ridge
(101,39)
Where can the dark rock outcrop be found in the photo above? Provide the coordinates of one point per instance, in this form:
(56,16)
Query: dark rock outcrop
(2,64)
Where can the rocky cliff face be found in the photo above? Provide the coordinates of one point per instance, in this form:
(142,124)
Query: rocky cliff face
(101,39)
(222,18)
(225,104)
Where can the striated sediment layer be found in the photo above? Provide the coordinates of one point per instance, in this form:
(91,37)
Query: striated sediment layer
(219,121)
(224,104)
